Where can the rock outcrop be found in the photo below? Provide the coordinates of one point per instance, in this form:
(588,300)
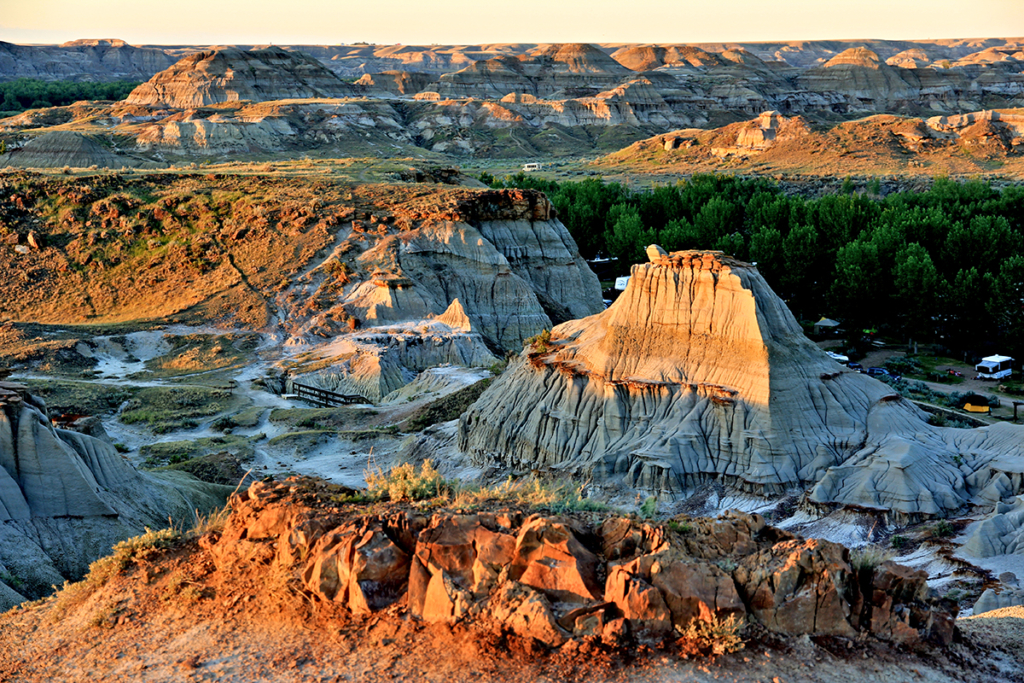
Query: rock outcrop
(85,60)
(698,371)
(1000,533)
(556,71)
(66,498)
(230,75)
(488,272)
(559,578)
(65,148)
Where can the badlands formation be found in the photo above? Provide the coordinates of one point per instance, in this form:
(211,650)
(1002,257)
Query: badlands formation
(508,101)
(67,496)
(772,143)
(699,372)
(399,278)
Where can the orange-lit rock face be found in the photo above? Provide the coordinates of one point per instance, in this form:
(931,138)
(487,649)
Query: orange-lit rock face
(699,372)
(683,320)
(555,579)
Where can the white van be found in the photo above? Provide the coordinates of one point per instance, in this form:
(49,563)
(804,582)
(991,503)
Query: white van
(531,167)
(994,367)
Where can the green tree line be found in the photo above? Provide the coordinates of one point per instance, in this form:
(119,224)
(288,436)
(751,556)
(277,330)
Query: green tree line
(30,93)
(945,264)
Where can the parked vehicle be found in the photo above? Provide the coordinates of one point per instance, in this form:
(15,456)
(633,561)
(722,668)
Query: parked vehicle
(882,372)
(838,357)
(994,367)
(855,366)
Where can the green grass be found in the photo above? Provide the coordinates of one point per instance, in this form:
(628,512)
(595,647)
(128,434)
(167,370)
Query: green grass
(447,408)
(176,452)
(333,419)
(930,372)
(164,409)
(80,398)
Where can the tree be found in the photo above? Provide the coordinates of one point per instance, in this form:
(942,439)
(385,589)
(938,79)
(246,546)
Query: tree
(1007,304)
(629,238)
(966,321)
(768,252)
(916,282)
(857,291)
(803,282)
(680,234)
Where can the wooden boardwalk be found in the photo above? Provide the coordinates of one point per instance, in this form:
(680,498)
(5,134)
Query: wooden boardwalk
(325,397)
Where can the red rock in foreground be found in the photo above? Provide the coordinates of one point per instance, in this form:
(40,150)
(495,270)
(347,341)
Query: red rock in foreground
(562,578)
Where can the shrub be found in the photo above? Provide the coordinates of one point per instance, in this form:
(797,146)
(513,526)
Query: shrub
(404,483)
(539,343)
(680,527)
(715,637)
(898,541)
(904,366)
(446,408)
(649,508)
(559,497)
(868,557)
(943,529)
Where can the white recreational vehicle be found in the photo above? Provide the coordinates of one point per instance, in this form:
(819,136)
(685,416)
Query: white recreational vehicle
(994,367)
(531,167)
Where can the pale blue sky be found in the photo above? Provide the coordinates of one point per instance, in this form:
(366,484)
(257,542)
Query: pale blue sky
(485,21)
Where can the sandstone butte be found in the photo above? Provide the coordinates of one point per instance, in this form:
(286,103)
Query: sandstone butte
(230,74)
(699,372)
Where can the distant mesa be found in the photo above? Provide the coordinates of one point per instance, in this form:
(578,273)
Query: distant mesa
(579,58)
(231,75)
(855,56)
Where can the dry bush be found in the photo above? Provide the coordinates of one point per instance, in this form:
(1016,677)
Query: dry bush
(716,637)
(868,557)
(529,492)
(213,521)
(106,568)
(404,483)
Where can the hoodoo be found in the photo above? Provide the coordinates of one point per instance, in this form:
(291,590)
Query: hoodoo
(698,372)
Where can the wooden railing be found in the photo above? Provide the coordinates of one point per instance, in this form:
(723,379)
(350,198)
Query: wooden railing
(325,397)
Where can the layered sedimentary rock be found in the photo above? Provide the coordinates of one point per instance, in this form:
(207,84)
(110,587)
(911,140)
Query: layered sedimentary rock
(565,70)
(377,362)
(85,60)
(1002,532)
(65,148)
(487,273)
(66,497)
(556,579)
(229,75)
(699,371)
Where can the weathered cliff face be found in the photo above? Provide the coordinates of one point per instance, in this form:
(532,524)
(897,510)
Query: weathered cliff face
(104,60)
(698,371)
(229,75)
(560,578)
(559,71)
(492,269)
(66,148)
(66,498)
(375,363)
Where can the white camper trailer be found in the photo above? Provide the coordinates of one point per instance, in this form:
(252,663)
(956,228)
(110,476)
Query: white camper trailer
(531,167)
(994,367)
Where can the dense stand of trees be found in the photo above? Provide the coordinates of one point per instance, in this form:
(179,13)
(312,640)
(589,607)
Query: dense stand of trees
(946,264)
(30,93)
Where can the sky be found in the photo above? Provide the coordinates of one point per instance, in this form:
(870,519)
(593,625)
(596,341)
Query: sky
(418,22)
